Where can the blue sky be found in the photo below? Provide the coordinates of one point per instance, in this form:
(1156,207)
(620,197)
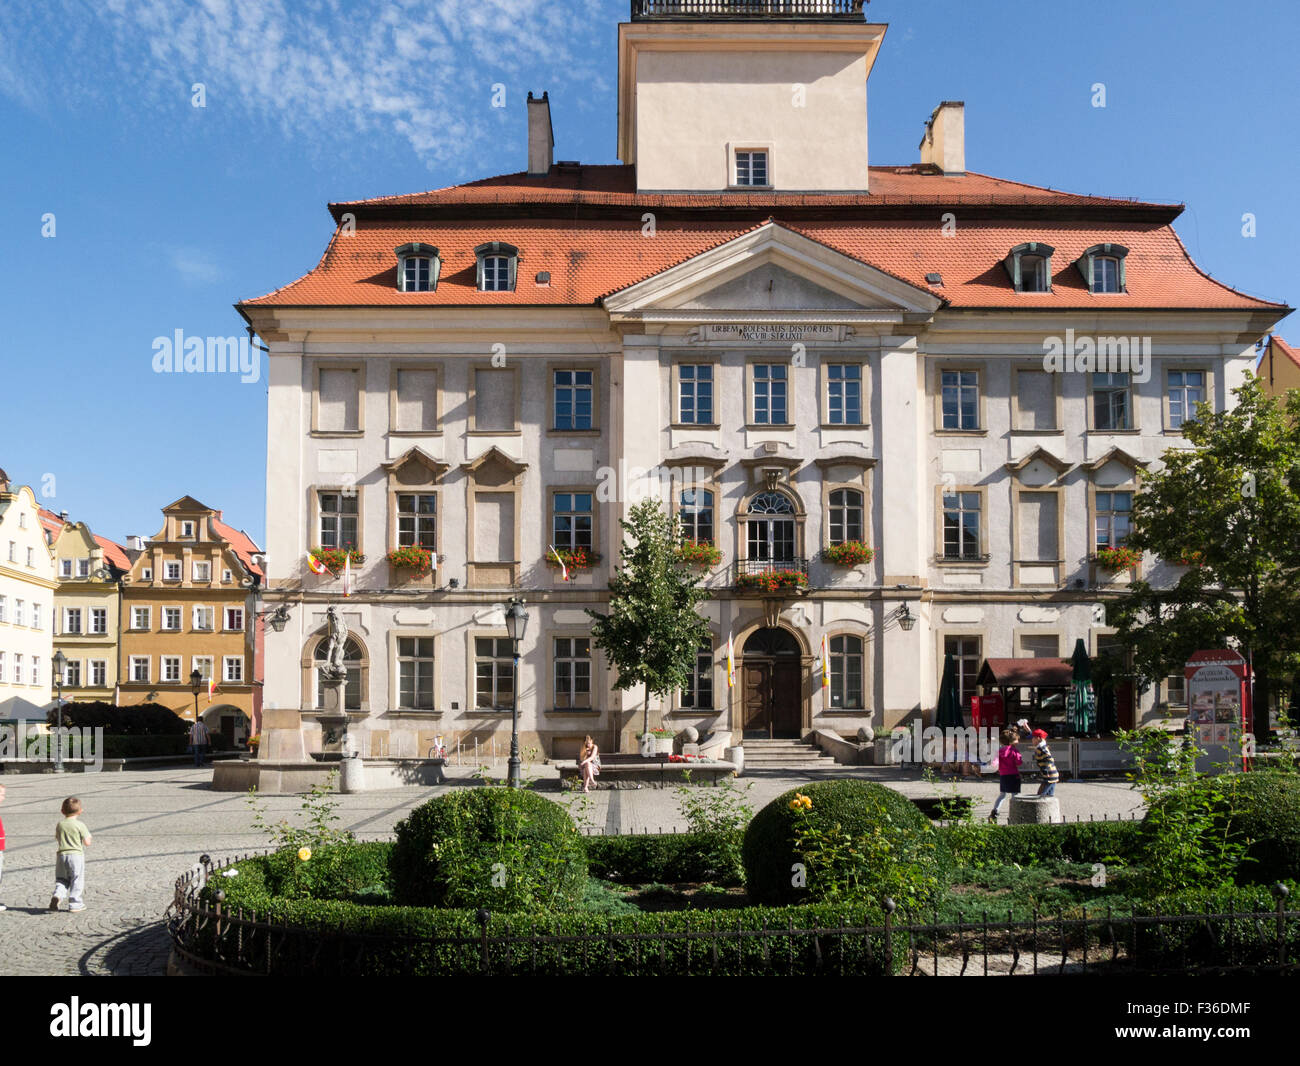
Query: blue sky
(165,214)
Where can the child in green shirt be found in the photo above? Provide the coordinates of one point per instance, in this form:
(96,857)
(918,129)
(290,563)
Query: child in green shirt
(72,836)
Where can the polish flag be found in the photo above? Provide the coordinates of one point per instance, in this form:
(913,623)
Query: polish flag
(347,574)
(826,665)
(315,565)
(564,570)
(731,662)
(212,687)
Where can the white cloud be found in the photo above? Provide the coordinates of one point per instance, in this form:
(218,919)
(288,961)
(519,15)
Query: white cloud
(194,266)
(415,69)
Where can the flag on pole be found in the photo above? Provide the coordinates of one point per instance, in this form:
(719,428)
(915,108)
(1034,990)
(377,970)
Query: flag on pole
(315,565)
(731,662)
(826,665)
(212,686)
(347,574)
(564,570)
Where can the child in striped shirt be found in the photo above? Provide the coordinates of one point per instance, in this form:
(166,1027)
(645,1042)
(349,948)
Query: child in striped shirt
(1047,773)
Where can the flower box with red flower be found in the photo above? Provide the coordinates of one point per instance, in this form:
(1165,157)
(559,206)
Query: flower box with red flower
(1118,560)
(575,559)
(701,553)
(1191,558)
(411,563)
(848,553)
(333,559)
(772,581)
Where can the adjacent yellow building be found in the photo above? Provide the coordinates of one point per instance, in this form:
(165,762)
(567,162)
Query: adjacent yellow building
(1279,367)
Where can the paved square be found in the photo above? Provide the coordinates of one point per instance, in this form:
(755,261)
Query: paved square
(150,826)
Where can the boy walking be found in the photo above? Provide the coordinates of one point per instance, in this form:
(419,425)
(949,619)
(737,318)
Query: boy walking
(1048,774)
(2,843)
(72,836)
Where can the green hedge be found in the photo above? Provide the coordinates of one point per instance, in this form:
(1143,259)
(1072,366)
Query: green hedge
(145,719)
(661,859)
(1268,816)
(1028,845)
(139,747)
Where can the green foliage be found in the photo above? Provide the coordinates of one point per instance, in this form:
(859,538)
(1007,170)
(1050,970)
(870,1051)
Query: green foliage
(857,840)
(1185,841)
(145,720)
(666,858)
(317,823)
(501,848)
(1231,504)
(1025,845)
(718,815)
(137,747)
(1263,812)
(345,871)
(652,631)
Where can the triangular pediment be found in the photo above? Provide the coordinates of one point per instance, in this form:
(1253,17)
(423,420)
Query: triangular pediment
(416,467)
(773,268)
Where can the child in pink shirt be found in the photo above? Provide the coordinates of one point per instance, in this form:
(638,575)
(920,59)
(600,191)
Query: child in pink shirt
(1008,770)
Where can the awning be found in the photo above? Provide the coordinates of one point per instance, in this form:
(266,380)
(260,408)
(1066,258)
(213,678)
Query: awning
(1025,673)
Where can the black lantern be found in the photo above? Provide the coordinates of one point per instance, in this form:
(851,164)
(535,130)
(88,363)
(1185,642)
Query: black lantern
(60,664)
(906,619)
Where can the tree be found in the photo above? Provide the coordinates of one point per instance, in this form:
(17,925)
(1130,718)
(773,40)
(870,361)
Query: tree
(652,632)
(1229,509)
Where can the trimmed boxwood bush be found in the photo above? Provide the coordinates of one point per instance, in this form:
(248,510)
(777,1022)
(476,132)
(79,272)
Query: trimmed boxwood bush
(334,871)
(1028,845)
(662,858)
(501,848)
(1266,811)
(137,747)
(857,807)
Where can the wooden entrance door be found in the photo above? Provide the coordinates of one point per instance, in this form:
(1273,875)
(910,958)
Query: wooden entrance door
(772,698)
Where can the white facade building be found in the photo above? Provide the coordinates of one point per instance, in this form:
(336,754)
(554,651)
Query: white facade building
(27,585)
(804,349)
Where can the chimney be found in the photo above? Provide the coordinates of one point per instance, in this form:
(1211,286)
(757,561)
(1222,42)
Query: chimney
(541,136)
(63,517)
(944,143)
(136,544)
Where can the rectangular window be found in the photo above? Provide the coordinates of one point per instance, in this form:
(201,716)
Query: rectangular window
(961,525)
(4,602)
(1039,533)
(65,568)
(698,693)
(415,673)
(146,573)
(416,273)
(496,273)
(31,561)
(1043,646)
(232,668)
(572,673)
(494,400)
(234,619)
(1035,401)
(846,672)
(18,668)
(202,571)
(770,394)
(203,664)
(187,530)
(960,399)
(1114,519)
(338,404)
(493,673)
(695,399)
(171,571)
(1186,390)
(338,520)
(226,577)
(966,653)
(72,620)
(203,618)
(571,528)
(19,613)
(171,669)
(36,669)
(696,513)
(98,673)
(139,668)
(1111,406)
(845,519)
(416,409)
(417,520)
(13,551)
(844,394)
(171,619)
(140,618)
(573,399)
(1176,690)
(36,616)
(83,568)
(72,673)
(751,168)
(2,666)
(99,620)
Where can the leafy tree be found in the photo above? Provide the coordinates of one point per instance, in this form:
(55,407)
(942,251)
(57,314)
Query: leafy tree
(652,631)
(1228,507)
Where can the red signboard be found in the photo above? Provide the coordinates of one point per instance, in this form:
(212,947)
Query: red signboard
(987,711)
(1219,707)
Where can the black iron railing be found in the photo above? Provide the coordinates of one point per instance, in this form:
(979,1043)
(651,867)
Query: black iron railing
(770,575)
(747,9)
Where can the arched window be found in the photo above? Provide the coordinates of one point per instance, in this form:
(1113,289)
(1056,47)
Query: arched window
(1102,267)
(418,267)
(771,529)
(844,520)
(498,265)
(352,663)
(1030,267)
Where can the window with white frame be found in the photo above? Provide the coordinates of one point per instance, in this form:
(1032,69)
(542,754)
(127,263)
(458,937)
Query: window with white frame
(36,616)
(751,167)
(232,668)
(846,672)
(18,668)
(146,573)
(171,571)
(698,693)
(36,669)
(31,557)
(19,613)
(83,568)
(22,519)
(695,510)
(234,620)
(573,399)
(140,668)
(572,673)
(202,617)
(72,620)
(1112,407)
(695,394)
(99,620)
(13,551)
(1176,690)
(771,392)
(1186,390)
(338,520)
(202,571)
(415,673)
(494,684)
(496,273)
(98,673)
(72,673)
(171,619)
(845,516)
(171,669)
(844,394)
(417,520)
(1114,519)
(967,656)
(203,664)
(187,530)
(139,618)
(2,666)
(65,568)
(960,399)
(571,527)
(4,603)
(961,525)
(226,577)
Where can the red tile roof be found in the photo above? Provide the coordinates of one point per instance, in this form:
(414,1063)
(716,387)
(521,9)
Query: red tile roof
(114,553)
(240,542)
(1285,349)
(53,523)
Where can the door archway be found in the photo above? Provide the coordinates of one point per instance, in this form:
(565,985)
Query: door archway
(772,684)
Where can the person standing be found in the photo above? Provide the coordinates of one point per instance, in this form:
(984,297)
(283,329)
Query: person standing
(1009,760)
(2,844)
(199,740)
(1048,774)
(71,836)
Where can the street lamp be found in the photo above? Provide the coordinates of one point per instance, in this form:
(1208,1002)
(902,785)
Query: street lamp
(196,683)
(905,619)
(60,661)
(516,626)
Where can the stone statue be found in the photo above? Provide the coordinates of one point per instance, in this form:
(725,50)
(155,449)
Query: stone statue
(334,651)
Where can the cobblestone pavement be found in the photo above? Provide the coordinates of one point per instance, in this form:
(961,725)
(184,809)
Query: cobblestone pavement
(150,826)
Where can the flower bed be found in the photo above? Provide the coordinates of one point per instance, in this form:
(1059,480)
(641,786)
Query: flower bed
(849,553)
(773,581)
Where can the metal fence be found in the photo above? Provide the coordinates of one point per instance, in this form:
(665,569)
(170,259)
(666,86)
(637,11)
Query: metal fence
(211,937)
(730,9)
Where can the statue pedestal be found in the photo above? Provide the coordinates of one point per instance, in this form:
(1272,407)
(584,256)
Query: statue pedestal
(281,736)
(333,721)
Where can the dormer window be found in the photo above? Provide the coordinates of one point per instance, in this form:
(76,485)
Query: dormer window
(418,267)
(1030,267)
(1102,267)
(498,266)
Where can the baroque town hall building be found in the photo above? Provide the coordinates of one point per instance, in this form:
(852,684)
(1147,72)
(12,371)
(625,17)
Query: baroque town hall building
(804,349)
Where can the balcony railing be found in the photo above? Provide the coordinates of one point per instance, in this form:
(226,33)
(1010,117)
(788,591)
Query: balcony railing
(815,10)
(770,575)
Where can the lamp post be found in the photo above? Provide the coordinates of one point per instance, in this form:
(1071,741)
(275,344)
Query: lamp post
(516,626)
(196,683)
(60,661)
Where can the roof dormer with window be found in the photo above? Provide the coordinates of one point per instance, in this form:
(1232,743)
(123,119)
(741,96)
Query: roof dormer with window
(1102,267)
(1030,267)
(418,267)
(498,266)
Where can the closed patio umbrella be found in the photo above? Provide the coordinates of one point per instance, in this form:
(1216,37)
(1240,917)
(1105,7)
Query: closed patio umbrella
(947,713)
(1081,704)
